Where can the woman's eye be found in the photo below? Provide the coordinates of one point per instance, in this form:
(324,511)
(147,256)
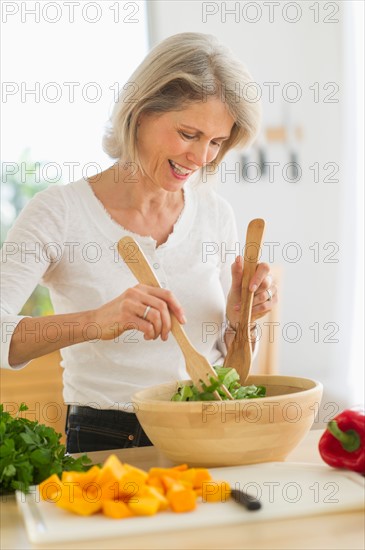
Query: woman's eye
(187,136)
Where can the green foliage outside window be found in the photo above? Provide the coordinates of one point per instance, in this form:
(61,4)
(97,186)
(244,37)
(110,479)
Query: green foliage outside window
(17,189)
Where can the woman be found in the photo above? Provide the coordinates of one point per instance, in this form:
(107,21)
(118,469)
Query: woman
(182,110)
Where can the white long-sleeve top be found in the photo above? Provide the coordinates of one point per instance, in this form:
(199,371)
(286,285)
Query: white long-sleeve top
(65,240)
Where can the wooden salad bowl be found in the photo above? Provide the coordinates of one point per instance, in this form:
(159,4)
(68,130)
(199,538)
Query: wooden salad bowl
(227,433)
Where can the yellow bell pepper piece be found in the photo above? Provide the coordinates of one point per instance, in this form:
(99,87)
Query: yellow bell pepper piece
(51,488)
(215,491)
(81,478)
(181,498)
(116,509)
(144,505)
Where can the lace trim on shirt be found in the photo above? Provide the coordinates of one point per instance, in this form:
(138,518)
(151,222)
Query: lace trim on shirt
(132,233)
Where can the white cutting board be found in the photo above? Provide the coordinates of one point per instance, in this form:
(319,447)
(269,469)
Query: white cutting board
(285,490)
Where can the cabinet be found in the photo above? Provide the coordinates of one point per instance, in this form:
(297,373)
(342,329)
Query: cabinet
(39,385)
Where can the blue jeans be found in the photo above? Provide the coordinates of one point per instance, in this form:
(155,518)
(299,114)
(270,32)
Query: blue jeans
(91,429)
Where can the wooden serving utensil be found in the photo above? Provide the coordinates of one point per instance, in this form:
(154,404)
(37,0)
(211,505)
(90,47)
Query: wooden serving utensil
(239,354)
(197,366)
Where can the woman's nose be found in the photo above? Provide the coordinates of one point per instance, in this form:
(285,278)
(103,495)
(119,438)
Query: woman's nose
(200,154)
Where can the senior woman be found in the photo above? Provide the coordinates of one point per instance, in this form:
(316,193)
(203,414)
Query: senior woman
(182,110)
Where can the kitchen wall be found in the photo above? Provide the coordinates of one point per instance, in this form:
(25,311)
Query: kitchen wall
(295,52)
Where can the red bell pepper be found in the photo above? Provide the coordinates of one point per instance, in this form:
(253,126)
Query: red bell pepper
(343,443)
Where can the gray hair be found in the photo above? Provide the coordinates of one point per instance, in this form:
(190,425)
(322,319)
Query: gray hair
(183,69)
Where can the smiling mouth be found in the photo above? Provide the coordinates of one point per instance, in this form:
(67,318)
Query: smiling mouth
(180,170)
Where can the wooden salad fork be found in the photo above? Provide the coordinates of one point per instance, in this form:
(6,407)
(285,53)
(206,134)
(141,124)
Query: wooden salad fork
(197,366)
(239,355)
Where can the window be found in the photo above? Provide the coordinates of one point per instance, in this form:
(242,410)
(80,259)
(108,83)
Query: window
(60,78)
(63,64)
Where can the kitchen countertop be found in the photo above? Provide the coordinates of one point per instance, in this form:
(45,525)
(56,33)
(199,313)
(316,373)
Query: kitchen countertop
(331,531)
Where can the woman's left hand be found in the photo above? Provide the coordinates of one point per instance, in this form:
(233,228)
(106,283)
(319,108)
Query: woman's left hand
(265,292)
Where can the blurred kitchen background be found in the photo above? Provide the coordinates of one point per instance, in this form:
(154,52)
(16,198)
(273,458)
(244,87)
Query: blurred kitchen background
(304,174)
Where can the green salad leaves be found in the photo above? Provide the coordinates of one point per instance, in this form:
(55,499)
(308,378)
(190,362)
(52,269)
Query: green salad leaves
(30,452)
(227,377)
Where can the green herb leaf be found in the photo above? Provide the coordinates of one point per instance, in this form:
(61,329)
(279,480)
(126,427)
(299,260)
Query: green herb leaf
(227,377)
(30,452)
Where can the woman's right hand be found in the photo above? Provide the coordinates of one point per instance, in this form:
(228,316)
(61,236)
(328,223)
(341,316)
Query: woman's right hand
(127,310)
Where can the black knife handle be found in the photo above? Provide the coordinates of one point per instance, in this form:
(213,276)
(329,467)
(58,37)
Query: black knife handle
(245,500)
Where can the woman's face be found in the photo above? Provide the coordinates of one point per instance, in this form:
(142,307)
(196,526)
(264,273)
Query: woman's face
(175,144)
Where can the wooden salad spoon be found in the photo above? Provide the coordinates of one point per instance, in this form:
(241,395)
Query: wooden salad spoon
(197,366)
(239,355)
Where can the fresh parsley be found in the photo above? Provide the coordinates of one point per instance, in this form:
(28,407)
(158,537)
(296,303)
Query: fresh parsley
(30,452)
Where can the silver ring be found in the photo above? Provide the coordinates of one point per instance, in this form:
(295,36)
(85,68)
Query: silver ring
(146,312)
(269,294)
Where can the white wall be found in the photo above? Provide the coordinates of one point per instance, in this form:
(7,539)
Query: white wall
(314,290)
(61,77)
